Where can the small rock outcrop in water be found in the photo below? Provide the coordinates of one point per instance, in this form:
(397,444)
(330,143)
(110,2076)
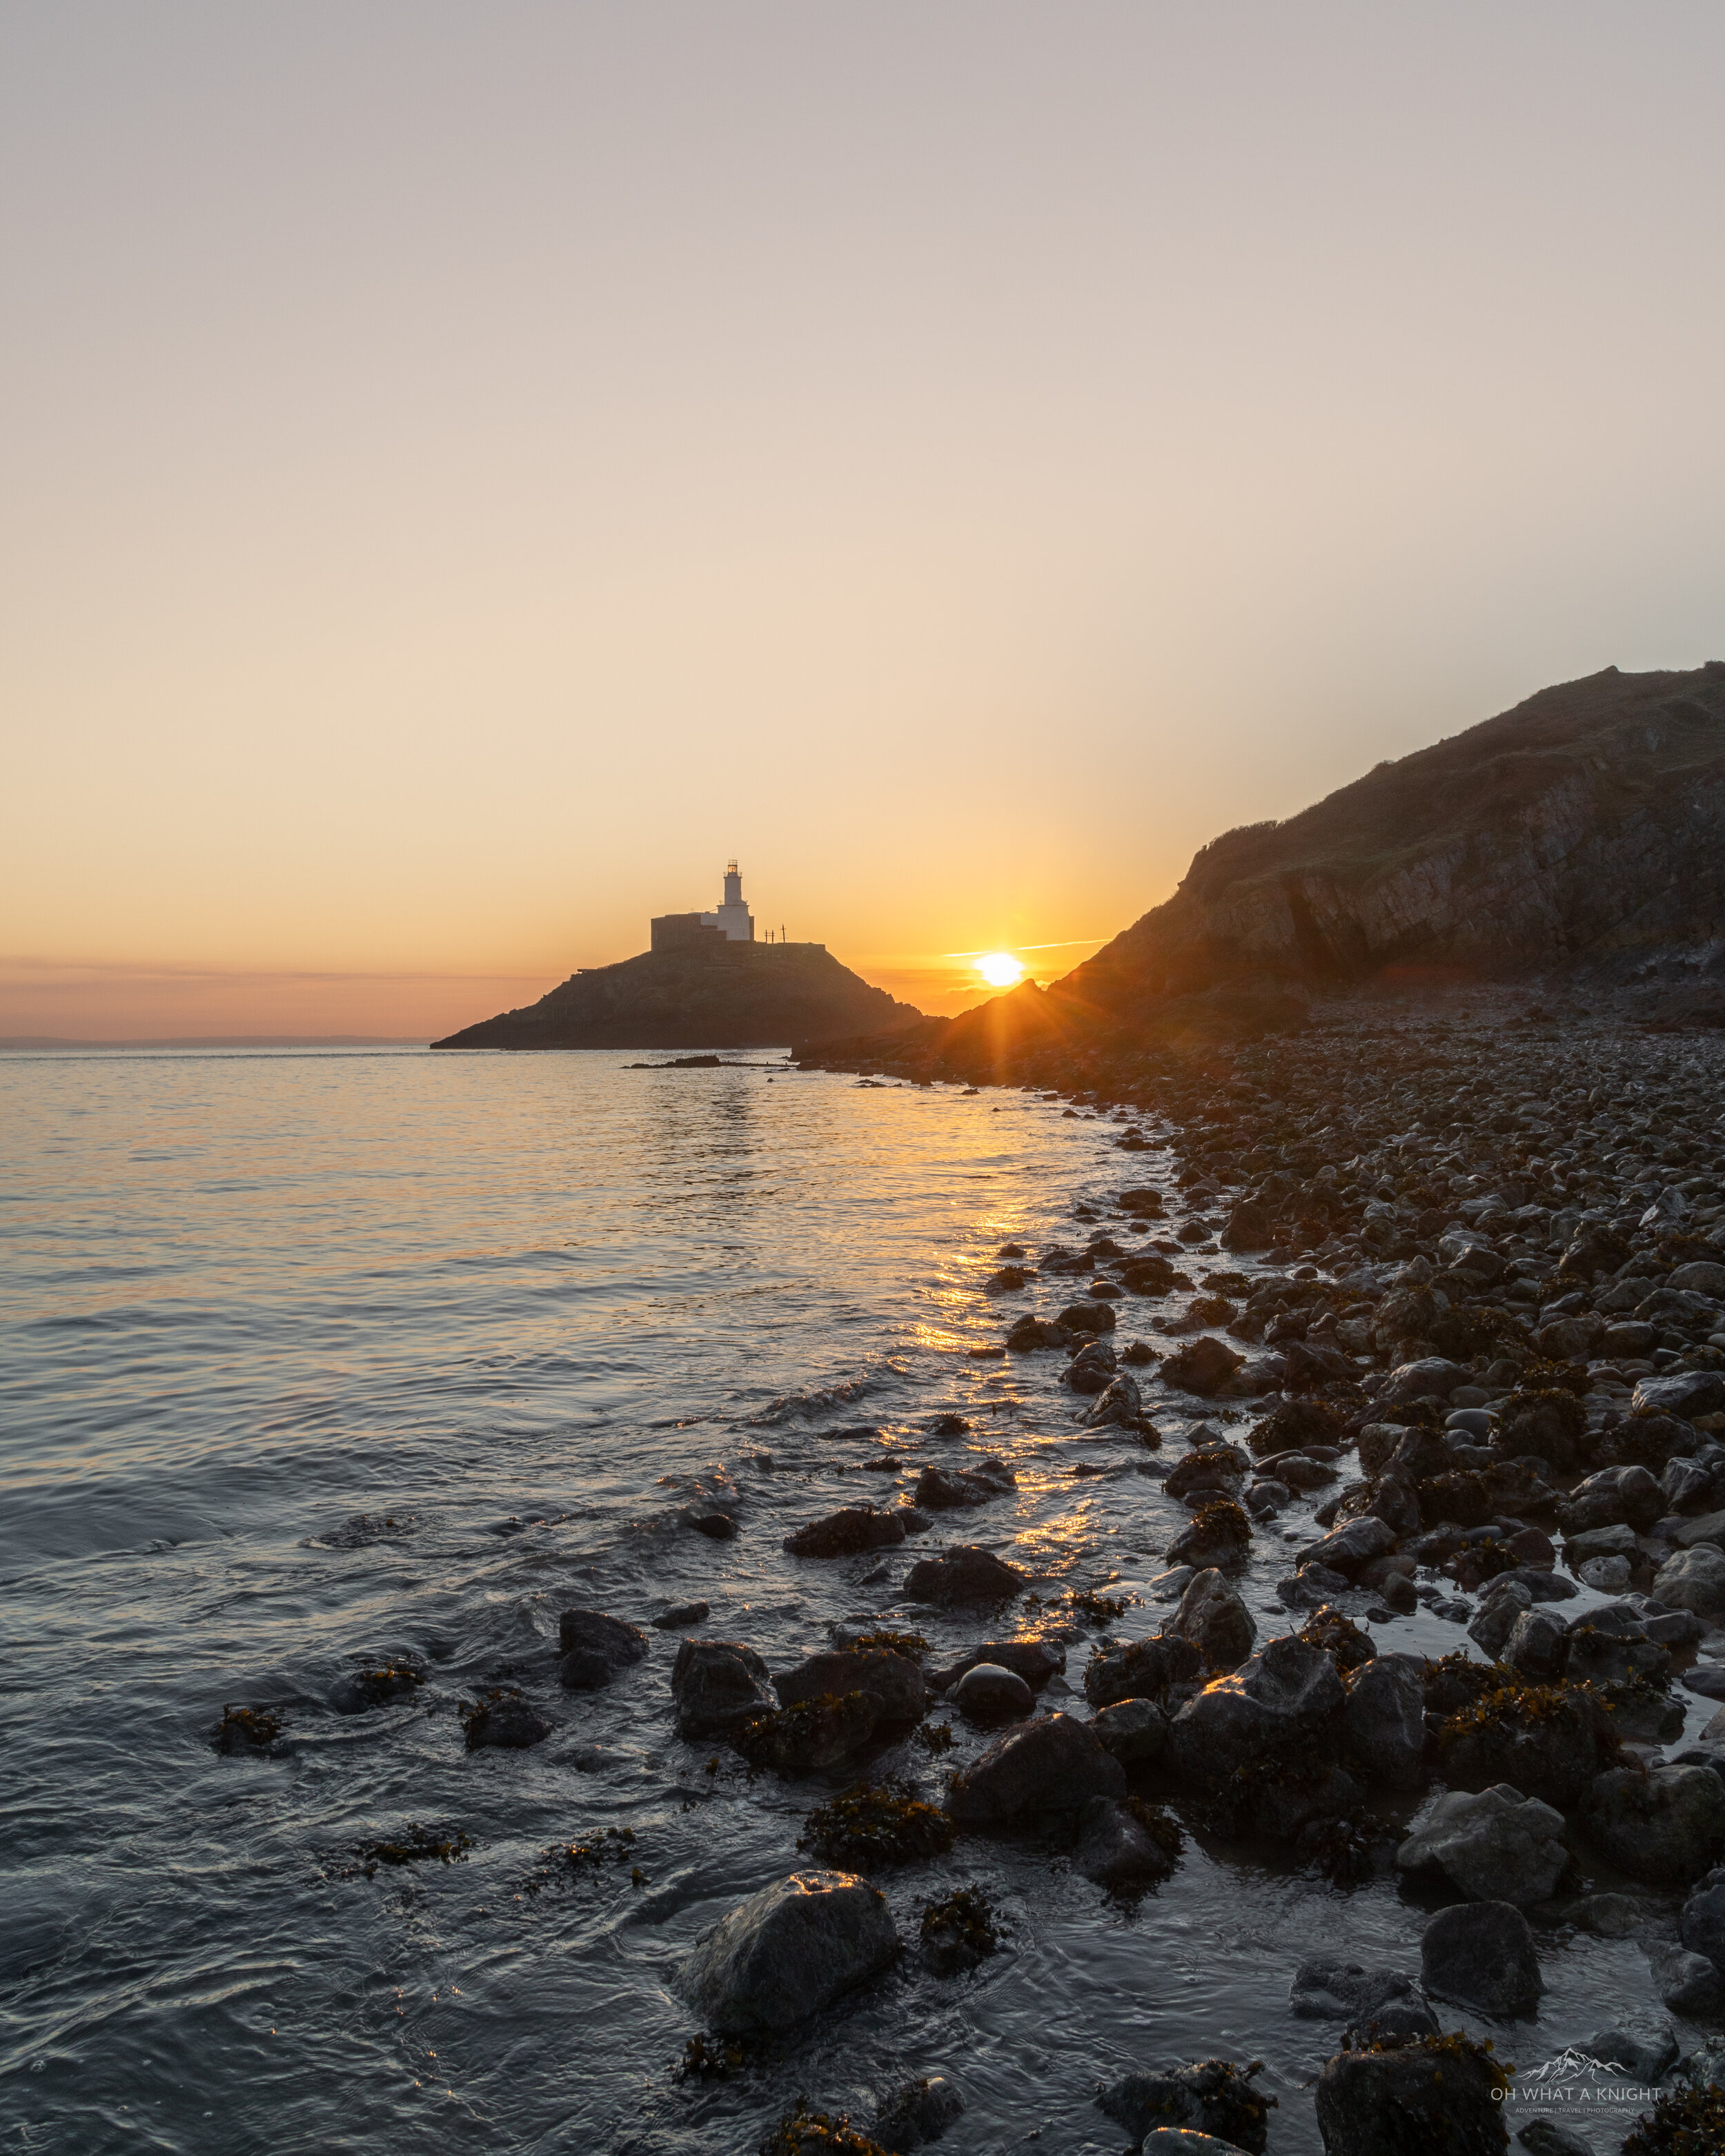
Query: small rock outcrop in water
(1053,1764)
(1211,2096)
(894,1680)
(595,1646)
(722,995)
(717,1684)
(790,1951)
(968,1574)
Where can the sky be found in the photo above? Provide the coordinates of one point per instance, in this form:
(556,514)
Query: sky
(466,472)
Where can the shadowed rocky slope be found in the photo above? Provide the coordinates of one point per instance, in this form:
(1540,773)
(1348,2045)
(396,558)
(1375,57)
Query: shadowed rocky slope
(726,995)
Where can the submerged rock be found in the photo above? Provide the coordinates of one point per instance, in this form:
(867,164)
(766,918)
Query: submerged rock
(790,1951)
(846,1532)
(503,1719)
(595,1647)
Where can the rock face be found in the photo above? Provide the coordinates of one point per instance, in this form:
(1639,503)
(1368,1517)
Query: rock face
(1483,1955)
(1052,1764)
(725,995)
(1496,1846)
(790,1951)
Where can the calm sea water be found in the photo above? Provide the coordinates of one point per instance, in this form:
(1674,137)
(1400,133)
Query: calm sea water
(313,1359)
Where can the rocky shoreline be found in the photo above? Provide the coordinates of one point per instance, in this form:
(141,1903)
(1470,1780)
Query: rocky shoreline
(1423,1311)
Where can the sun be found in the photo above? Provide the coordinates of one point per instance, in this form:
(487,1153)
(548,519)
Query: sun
(1000,969)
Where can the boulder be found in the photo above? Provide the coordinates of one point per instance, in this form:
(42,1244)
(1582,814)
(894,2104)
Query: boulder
(1550,1746)
(1499,1608)
(594,1647)
(1035,1660)
(1133,1731)
(1702,1928)
(1689,1983)
(1665,1826)
(1091,1368)
(1220,1534)
(1693,1579)
(940,1489)
(965,1573)
(1284,1696)
(813,1734)
(1030,1333)
(846,1532)
(1685,1393)
(1204,1365)
(1087,1319)
(1481,1954)
(1055,1763)
(716,1684)
(507,1721)
(1347,1549)
(894,1681)
(1497,1845)
(1383,1721)
(1142,1668)
(1424,2098)
(1116,1850)
(986,1692)
(1429,1376)
(1537,1645)
(1641,2045)
(1217,1622)
(912,2116)
(1213,2096)
(1121,1403)
(789,1951)
(1700,1276)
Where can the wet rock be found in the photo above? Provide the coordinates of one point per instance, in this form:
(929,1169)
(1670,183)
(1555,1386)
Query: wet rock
(1121,1405)
(1055,1764)
(1250,1228)
(1283,1696)
(1432,1376)
(1665,1826)
(1693,1579)
(1116,1850)
(595,1647)
(716,1684)
(245,1732)
(986,1692)
(845,1533)
(1702,1928)
(1217,1622)
(1497,1845)
(790,1951)
(1035,1660)
(1031,1333)
(1689,1983)
(1684,1394)
(1220,1535)
(1481,1954)
(1329,1990)
(1547,1742)
(965,1573)
(958,1932)
(1144,1669)
(716,1527)
(1213,2096)
(1432,2097)
(1133,1731)
(1087,1320)
(1347,1549)
(1643,2046)
(681,1614)
(919,2113)
(1607,1916)
(943,1488)
(813,1734)
(1500,1607)
(894,1681)
(502,1719)
(1700,1276)
(1537,1645)
(1210,1467)
(361,1690)
(1204,1366)
(1091,1369)
(1384,1721)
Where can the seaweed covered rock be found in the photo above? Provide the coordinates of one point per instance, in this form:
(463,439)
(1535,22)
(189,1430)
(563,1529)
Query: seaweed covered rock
(1481,1954)
(1683,2122)
(501,1719)
(1204,1366)
(1425,2096)
(846,1532)
(894,1680)
(1121,1845)
(1548,1741)
(1055,1764)
(805,2132)
(595,1647)
(1212,2095)
(1209,1467)
(809,1735)
(378,1685)
(1384,1720)
(1142,1668)
(716,1684)
(1214,1618)
(1665,1826)
(873,1824)
(790,1951)
(1286,1695)
(1220,1535)
(916,2113)
(956,1932)
(1495,1845)
(1030,1333)
(1296,1425)
(965,1573)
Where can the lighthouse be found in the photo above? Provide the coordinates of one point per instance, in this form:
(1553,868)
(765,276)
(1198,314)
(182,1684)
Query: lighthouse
(733,919)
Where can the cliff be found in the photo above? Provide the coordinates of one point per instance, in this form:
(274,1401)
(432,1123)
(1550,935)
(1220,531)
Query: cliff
(1584,829)
(722,995)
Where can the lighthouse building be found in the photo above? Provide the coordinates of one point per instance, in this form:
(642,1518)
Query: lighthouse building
(731,922)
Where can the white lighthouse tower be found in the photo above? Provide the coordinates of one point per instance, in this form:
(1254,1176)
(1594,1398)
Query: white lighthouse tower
(733,919)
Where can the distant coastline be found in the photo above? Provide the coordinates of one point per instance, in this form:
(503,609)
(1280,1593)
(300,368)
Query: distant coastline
(13,1043)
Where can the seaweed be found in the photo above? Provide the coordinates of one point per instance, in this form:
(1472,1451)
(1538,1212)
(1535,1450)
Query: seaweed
(1341,1638)
(911,1645)
(957,1931)
(1455,2046)
(1688,2122)
(935,1737)
(1094,1609)
(414,1845)
(805,2132)
(247,1729)
(1159,1823)
(875,1823)
(709,2059)
(389,1680)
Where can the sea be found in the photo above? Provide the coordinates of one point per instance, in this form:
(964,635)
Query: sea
(317,1361)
